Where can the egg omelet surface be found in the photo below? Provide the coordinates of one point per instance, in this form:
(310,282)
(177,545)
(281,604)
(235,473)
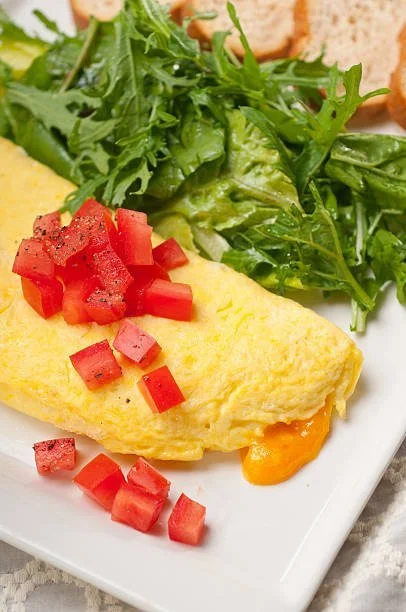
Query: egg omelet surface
(247,360)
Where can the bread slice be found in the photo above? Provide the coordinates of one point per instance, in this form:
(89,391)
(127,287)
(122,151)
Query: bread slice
(397,99)
(105,10)
(353,31)
(268,24)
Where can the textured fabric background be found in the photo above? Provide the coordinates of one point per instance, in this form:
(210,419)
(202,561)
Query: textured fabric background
(369,574)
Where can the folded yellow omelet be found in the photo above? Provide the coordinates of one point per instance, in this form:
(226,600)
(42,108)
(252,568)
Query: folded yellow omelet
(248,359)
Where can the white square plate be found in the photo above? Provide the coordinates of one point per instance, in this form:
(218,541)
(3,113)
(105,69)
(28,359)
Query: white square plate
(267,548)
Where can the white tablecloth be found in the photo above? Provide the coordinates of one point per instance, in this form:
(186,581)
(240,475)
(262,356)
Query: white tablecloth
(369,574)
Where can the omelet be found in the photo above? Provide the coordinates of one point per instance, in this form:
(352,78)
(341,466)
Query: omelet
(248,359)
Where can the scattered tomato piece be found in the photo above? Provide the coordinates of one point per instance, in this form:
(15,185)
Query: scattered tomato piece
(74,307)
(32,261)
(69,241)
(160,390)
(104,307)
(143,277)
(135,239)
(136,507)
(143,475)
(136,344)
(47,226)
(124,213)
(111,271)
(45,297)
(78,268)
(96,365)
(169,300)
(55,455)
(186,522)
(170,255)
(100,479)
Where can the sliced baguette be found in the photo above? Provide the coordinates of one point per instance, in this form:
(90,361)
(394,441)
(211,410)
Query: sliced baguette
(268,24)
(105,10)
(351,31)
(397,99)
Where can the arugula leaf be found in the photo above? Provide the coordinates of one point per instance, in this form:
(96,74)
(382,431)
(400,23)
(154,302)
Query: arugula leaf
(372,164)
(335,111)
(388,255)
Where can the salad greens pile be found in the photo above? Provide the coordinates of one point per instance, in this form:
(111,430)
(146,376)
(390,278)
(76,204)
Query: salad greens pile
(248,164)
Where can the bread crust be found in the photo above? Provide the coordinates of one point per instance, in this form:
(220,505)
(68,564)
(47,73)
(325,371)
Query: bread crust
(81,15)
(396,100)
(302,33)
(203,30)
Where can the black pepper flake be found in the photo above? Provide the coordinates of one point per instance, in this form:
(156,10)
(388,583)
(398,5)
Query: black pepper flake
(127,401)
(51,445)
(99,375)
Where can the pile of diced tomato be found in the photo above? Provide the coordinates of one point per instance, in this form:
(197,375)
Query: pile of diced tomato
(137,501)
(93,271)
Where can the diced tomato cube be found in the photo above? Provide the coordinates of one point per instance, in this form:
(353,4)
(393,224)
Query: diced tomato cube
(124,213)
(69,241)
(78,267)
(32,261)
(55,455)
(135,239)
(169,254)
(47,226)
(111,271)
(100,479)
(135,300)
(160,390)
(186,522)
(143,475)
(143,277)
(169,300)
(101,227)
(96,365)
(45,297)
(136,344)
(136,507)
(74,307)
(104,307)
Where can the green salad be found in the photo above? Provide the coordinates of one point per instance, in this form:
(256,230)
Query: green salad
(249,164)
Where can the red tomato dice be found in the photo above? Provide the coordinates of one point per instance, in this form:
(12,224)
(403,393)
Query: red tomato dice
(78,268)
(74,307)
(169,254)
(111,271)
(160,390)
(139,217)
(143,277)
(186,522)
(101,226)
(55,455)
(136,507)
(47,226)
(45,297)
(100,479)
(135,239)
(96,365)
(169,300)
(143,475)
(32,261)
(136,344)
(104,307)
(69,241)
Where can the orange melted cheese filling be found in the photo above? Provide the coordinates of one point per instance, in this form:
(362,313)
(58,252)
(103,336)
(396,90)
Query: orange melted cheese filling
(284,449)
